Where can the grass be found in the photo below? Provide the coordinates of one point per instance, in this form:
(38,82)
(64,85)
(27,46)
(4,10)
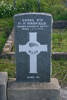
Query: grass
(11,2)
(5,29)
(54,7)
(7,65)
(59,69)
(59,40)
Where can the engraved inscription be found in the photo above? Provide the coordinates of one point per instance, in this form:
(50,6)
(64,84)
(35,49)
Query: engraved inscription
(31,24)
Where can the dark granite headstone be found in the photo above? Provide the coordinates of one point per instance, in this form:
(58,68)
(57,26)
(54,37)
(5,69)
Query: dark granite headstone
(33,47)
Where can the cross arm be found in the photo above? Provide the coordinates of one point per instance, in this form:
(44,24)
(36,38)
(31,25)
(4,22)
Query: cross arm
(43,48)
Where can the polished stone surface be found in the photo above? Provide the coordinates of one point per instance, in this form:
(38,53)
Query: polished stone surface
(33,46)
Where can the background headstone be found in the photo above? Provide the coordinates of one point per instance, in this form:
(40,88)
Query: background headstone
(66,3)
(33,46)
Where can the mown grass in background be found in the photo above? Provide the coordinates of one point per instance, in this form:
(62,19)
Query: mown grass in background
(59,40)
(8,65)
(6,25)
(59,71)
(56,7)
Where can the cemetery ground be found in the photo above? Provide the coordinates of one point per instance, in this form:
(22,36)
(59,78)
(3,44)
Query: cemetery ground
(59,44)
(59,37)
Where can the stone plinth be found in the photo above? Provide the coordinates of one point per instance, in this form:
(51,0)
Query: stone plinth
(33,91)
(3,85)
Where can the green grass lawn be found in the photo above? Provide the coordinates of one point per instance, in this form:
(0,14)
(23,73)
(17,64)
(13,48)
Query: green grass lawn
(8,65)
(59,69)
(59,40)
(5,29)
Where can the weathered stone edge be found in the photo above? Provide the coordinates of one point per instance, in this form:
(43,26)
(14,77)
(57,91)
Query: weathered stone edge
(13,85)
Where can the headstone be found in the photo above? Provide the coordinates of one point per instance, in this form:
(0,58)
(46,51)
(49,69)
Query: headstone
(33,47)
(33,59)
(3,85)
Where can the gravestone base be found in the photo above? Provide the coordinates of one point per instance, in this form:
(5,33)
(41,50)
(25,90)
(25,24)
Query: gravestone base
(33,91)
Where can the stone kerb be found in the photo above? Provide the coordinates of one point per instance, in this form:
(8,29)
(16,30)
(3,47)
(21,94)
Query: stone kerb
(3,85)
(60,24)
(9,44)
